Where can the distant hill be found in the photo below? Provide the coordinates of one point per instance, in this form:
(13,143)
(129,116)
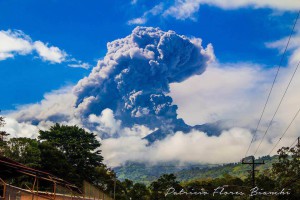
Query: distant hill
(211,129)
(235,169)
(143,173)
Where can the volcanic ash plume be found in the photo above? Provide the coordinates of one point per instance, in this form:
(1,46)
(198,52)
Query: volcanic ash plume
(133,78)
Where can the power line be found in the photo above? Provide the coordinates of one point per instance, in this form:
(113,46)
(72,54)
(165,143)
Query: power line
(295,116)
(281,100)
(278,69)
(253,164)
(294,143)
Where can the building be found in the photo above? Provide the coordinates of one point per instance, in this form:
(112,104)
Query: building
(57,188)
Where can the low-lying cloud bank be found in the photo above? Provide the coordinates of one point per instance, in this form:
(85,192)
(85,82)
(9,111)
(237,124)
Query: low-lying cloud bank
(130,94)
(194,147)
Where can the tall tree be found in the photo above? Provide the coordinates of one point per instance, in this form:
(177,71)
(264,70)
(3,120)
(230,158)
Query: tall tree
(3,135)
(23,150)
(80,148)
(161,185)
(55,162)
(139,191)
(287,171)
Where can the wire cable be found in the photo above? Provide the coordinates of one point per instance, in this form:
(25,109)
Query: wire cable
(275,78)
(281,100)
(294,143)
(295,116)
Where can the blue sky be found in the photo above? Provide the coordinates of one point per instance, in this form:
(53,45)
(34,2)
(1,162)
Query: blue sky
(49,52)
(82,29)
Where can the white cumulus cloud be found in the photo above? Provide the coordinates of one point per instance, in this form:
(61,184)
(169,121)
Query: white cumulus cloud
(156,10)
(138,21)
(224,91)
(80,64)
(51,54)
(17,129)
(187,9)
(56,104)
(16,42)
(231,93)
(292,5)
(183,9)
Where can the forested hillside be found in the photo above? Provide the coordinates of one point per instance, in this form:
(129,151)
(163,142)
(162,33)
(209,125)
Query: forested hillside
(144,173)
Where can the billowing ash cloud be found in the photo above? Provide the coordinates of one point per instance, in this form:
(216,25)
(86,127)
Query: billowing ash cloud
(127,97)
(133,78)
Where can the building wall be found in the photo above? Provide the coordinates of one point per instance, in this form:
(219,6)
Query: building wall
(14,193)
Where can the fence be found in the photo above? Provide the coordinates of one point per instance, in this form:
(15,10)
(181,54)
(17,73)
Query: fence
(91,192)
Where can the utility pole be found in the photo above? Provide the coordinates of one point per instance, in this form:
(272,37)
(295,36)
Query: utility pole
(115,184)
(253,163)
(298,147)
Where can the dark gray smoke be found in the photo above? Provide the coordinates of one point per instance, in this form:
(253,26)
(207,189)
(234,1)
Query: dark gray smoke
(133,78)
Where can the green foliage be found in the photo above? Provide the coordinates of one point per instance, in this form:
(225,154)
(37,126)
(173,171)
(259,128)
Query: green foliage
(68,152)
(24,150)
(104,178)
(54,161)
(80,148)
(265,181)
(139,191)
(287,171)
(73,154)
(279,172)
(160,186)
(142,173)
(3,135)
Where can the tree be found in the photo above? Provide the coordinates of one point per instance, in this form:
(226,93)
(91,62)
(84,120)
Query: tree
(139,191)
(128,185)
(55,162)
(104,178)
(23,150)
(161,185)
(80,148)
(265,181)
(286,172)
(3,135)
